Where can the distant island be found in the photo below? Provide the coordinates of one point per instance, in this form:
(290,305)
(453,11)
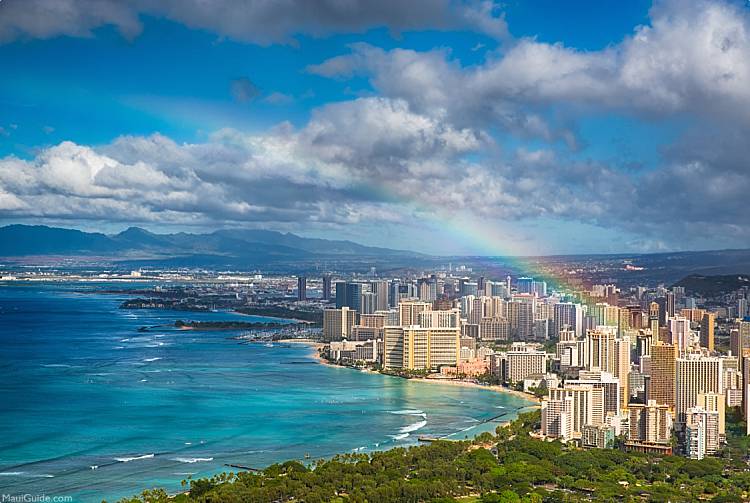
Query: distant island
(311,317)
(228,325)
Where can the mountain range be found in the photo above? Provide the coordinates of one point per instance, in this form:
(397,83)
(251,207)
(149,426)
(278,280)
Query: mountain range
(136,243)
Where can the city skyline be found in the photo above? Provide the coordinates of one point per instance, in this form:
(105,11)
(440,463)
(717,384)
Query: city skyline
(481,129)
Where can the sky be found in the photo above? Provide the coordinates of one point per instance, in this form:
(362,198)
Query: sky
(442,126)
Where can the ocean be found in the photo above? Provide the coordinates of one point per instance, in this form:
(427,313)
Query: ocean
(92,409)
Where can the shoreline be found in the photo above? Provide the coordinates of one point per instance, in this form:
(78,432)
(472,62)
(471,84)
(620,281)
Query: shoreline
(492,387)
(316,346)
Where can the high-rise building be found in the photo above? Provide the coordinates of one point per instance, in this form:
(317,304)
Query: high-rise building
(663,314)
(605,314)
(418,348)
(701,432)
(679,331)
(695,374)
(597,436)
(494,329)
(326,287)
(393,347)
(587,405)
(380,288)
(707,331)
(522,361)
(338,323)
(521,314)
(601,349)
(450,318)
(301,288)
(715,402)
(349,294)
(609,383)
(650,423)
(539,288)
(525,285)
(622,367)
(643,344)
(567,315)
(670,304)
(409,311)
(557,418)
(740,339)
(427,289)
(661,385)
(368,303)
(653,319)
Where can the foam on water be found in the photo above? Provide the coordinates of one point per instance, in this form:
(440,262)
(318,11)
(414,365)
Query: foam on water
(134,458)
(192,460)
(413,427)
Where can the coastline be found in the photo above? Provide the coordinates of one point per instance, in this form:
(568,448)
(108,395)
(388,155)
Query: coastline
(492,387)
(316,346)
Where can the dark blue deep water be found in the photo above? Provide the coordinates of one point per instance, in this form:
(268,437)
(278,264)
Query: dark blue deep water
(93,409)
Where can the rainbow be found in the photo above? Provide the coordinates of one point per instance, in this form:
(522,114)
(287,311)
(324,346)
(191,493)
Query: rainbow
(490,241)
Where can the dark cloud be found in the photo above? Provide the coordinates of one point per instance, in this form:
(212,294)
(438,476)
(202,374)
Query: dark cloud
(258,21)
(243,90)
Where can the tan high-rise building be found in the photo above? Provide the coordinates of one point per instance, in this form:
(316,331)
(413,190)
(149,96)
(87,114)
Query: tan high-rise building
(661,386)
(707,330)
(338,323)
(408,311)
(440,319)
(695,374)
(653,320)
(494,329)
(601,349)
(430,348)
(376,320)
(739,339)
(714,402)
(650,423)
(695,315)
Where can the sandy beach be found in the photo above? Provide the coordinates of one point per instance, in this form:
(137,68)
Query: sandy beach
(317,346)
(492,387)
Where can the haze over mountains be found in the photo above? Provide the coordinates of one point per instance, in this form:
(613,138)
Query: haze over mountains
(277,251)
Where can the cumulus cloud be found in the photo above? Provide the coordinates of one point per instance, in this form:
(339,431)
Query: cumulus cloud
(328,172)
(373,161)
(425,143)
(694,58)
(259,22)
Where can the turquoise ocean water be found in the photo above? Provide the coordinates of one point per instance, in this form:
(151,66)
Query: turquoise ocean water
(93,409)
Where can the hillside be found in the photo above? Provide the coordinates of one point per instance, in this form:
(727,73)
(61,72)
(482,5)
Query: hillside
(710,286)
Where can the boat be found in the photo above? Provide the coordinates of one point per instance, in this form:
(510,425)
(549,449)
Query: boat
(268,345)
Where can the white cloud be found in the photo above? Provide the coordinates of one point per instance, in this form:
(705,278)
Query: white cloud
(694,58)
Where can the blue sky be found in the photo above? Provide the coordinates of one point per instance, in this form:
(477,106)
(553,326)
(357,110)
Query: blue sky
(557,125)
